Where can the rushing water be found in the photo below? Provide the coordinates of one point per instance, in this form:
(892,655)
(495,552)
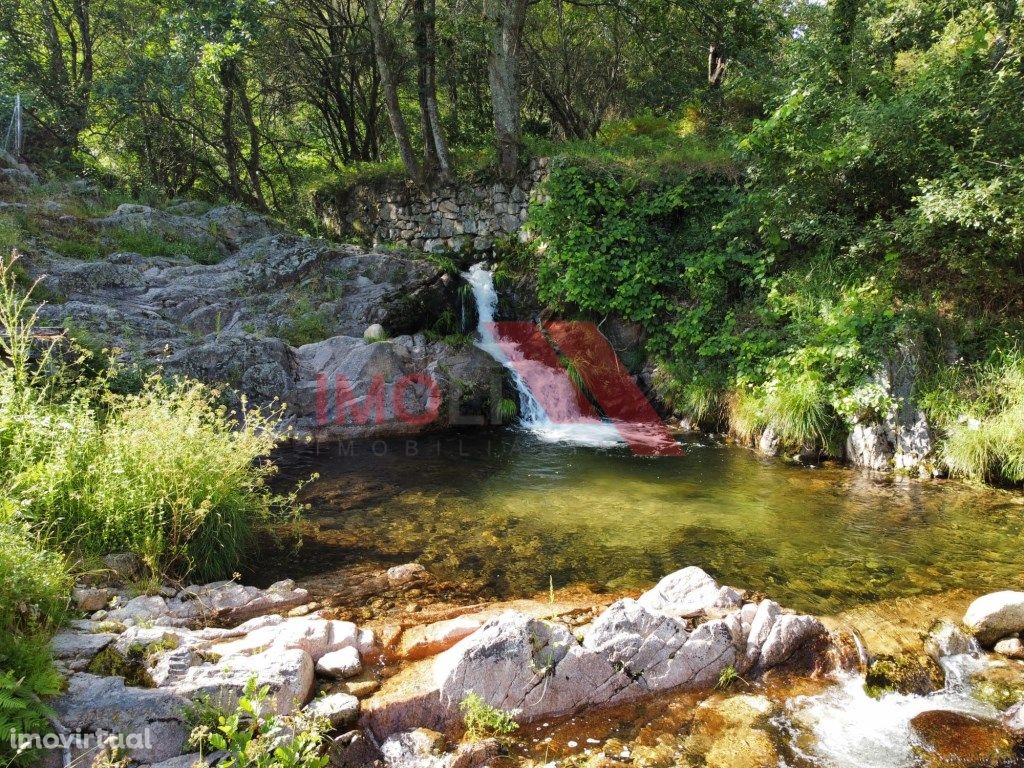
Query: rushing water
(560,418)
(513,510)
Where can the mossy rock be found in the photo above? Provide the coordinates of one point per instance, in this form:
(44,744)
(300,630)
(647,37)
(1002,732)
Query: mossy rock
(1000,684)
(907,673)
(950,739)
(110,663)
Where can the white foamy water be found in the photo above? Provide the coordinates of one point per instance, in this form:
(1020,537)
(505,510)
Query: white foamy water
(843,727)
(559,420)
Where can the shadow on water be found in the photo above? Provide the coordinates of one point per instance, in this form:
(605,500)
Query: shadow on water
(509,512)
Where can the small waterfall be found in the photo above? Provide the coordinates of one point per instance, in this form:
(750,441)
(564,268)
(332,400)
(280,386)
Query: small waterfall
(561,418)
(850,729)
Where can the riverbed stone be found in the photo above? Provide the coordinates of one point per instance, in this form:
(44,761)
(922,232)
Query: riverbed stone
(425,640)
(906,673)
(945,638)
(996,615)
(76,650)
(729,732)
(418,748)
(959,739)
(92,703)
(232,603)
(314,635)
(1011,647)
(340,709)
(1013,719)
(354,750)
(340,664)
(400,575)
(142,608)
(288,673)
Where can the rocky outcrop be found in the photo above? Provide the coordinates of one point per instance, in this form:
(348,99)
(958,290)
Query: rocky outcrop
(900,438)
(450,217)
(279,318)
(164,656)
(684,633)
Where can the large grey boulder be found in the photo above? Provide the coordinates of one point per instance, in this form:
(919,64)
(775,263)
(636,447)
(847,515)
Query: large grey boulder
(232,323)
(288,673)
(900,438)
(996,615)
(154,716)
(687,592)
(868,446)
(75,650)
(539,668)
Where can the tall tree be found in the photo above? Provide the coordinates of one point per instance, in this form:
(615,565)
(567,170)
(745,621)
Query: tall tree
(506,19)
(383,53)
(435,146)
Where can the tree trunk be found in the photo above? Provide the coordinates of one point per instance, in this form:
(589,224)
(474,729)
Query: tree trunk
(390,88)
(506,18)
(433,116)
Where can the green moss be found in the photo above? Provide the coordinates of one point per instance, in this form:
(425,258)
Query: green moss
(906,673)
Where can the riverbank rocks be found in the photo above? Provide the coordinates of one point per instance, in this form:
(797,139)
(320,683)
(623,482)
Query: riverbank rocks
(684,633)
(996,615)
(164,657)
(263,314)
(92,703)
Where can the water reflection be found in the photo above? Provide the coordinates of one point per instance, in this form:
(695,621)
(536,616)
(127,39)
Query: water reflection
(512,511)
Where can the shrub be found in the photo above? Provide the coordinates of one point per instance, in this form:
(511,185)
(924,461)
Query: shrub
(35,587)
(980,410)
(484,721)
(165,473)
(253,738)
(797,408)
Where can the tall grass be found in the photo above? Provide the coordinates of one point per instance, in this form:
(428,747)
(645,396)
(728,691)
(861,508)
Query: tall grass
(165,473)
(980,412)
(796,407)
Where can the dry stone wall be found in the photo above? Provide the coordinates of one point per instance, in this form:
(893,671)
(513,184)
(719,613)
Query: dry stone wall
(453,217)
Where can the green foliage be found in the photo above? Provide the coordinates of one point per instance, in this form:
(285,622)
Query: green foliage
(35,592)
(165,473)
(482,721)
(728,677)
(254,738)
(981,412)
(508,409)
(305,325)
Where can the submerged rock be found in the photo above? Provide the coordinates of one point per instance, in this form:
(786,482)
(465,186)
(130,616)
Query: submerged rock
(957,739)
(907,673)
(947,639)
(731,732)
